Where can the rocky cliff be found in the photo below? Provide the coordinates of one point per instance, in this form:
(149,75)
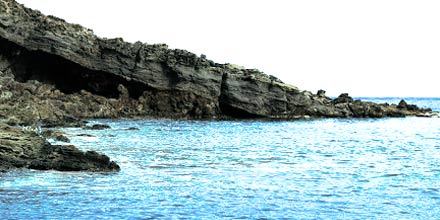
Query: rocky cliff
(53,71)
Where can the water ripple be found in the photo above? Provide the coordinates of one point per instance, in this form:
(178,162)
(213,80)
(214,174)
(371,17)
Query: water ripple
(321,169)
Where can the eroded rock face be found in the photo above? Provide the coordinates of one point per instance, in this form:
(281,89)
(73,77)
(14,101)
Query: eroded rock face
(25,149)
(56,72)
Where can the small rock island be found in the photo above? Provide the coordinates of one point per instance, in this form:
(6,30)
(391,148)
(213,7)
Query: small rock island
(56,74)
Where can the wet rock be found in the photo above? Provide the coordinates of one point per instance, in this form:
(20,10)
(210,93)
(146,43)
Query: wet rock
(427,115)
(98,127)
(24,149)
(69,158)
(52,133)
(84,135)
(56,135)
(62,138)
(132,129)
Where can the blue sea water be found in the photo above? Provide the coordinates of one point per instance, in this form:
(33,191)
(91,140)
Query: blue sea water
(310,169)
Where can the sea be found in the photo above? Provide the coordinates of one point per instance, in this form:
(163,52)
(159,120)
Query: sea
(244,169)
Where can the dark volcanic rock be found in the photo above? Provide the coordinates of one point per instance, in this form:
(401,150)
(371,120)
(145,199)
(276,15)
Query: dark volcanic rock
(97,127)
(343,98)
(132,129)
(69,158)
(56,135)
(62,138)
(55,73)
(403,105)
(321,93)
(24,149)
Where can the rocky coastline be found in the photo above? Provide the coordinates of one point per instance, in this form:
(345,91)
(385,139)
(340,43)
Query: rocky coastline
(56,74)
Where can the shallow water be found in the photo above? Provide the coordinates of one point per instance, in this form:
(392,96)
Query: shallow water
(313,169)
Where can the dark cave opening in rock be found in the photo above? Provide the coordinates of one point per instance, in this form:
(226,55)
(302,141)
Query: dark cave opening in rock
(234,112)
(66,75)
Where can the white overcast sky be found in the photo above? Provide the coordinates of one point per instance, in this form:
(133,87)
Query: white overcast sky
(365,48)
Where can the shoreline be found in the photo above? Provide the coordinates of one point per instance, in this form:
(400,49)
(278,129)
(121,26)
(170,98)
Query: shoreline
(53,73)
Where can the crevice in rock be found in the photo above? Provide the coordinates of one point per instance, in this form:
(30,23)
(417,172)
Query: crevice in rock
(228,109)
(171,74)
(234,112)
(67,76)
(137,59)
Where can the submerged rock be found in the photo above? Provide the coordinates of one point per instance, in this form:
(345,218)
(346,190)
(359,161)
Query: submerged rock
(132,129)
(62,138)
(24,149)
(57,73)
(56,135)
(85,135)
(97,127)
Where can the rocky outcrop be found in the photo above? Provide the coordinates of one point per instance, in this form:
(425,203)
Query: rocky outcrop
(25,149)
(97,127)
(53,72)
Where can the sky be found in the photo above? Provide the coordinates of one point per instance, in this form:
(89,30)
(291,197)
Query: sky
(380,48)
